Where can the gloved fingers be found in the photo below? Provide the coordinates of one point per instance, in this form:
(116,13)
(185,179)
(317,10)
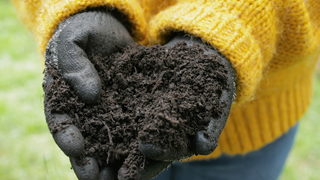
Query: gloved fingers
(70,141)
(107,173)
(74,66)
(157,152)
(79,38)
(66,135)
(86,168)
(151,169)
(206,142)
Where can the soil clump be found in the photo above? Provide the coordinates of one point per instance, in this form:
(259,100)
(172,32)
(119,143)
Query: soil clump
(157,94)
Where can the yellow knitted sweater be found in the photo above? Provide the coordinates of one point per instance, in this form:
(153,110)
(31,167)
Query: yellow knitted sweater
(273,46)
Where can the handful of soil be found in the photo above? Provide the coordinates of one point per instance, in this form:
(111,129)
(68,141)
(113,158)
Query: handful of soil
(157,94)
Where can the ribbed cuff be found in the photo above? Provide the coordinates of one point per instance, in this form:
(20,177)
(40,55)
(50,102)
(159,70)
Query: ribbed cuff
(222,30)
(53,12)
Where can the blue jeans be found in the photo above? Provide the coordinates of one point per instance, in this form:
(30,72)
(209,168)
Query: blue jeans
(265,164)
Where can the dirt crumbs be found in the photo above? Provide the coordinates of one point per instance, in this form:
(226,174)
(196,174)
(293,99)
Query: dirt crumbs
(152,94)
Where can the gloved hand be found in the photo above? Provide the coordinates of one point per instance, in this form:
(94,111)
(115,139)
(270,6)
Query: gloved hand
(74,42)
(97,32)
(204,142)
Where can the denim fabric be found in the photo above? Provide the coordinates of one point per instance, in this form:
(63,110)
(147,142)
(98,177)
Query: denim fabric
(265,164)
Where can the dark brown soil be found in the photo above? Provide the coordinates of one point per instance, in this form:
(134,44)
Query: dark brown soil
(151,94)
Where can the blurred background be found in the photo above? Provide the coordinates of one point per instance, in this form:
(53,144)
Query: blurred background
(27,150)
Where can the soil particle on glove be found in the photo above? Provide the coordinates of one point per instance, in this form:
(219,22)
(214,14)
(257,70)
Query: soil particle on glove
(157,94)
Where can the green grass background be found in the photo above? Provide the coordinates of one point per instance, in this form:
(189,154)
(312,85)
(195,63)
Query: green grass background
(27,150)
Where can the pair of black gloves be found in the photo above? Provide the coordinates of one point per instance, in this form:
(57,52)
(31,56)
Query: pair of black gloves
(100,32)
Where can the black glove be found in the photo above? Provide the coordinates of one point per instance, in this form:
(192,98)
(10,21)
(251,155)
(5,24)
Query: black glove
(74,42)
(204,142)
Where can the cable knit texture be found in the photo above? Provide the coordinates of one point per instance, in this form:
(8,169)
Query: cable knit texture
(273,46)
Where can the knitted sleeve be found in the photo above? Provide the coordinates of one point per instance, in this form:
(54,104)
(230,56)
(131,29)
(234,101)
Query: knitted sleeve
(42,17)
(249,33)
